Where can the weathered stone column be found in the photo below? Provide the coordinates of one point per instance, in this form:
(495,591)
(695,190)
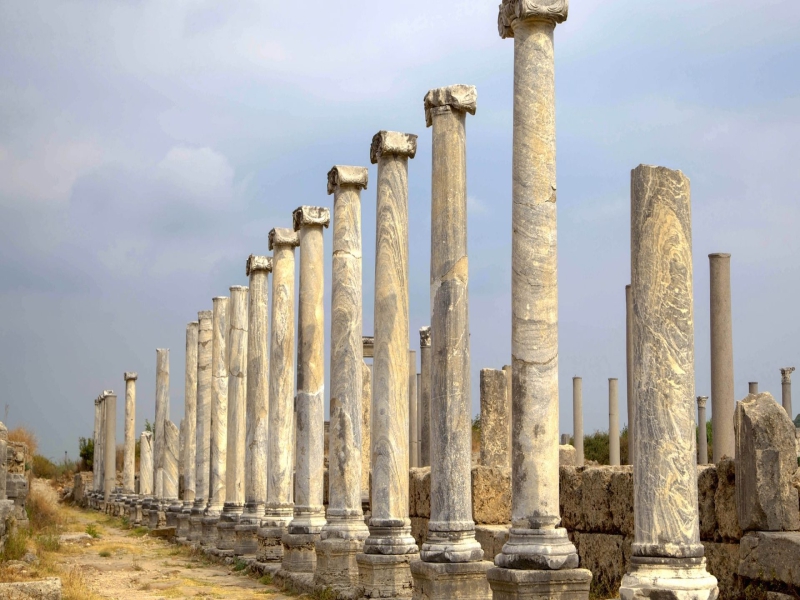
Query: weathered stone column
(424,415)
(97,461)
(722,400)
(613,422)
(367,344)
(577,419)
(344,534)
(702,435)
(218,440)
(752,388)
(256,467)
(171,458)
(101,451)
(237,413)
(413,423)
(384,567)
(4,462)
(280,506)
(146,464)
(494,419)
(667,556)
(129,456)
(162,416)
(203,426)
(538,555)
(629,369)
(419,417)
(188,430)
(299,554)
(110,445)
(786,390)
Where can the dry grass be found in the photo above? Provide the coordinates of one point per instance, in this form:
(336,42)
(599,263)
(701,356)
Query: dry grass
(23,434)
(74,587)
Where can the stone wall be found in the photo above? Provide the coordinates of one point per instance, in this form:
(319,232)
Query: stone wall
(17,480)
(82,485)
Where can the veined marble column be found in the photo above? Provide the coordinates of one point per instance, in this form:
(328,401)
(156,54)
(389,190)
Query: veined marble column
(538,555)
(786,390)
(110,445)
(722,400)
(367,344)
(424,415)
(280,506)
(344,534)
(203,425)
(702,434)
(218,440)
(752,388)
(613,422)
(189,430)
(171,458)
(413,423)
(384,567)
(299,554)
(495,426)
(162,416)
(629,369)
(667,556)
(129,456)
(237,414)
(256,467)
(577,419)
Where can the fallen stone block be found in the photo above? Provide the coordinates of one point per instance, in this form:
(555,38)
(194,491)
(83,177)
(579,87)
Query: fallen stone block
(770,557)
(44,589)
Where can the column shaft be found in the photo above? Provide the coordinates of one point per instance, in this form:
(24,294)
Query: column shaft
(577,419)
(237,398)
(98,450)
(413,423)
(722,398)
(629,369)
(110,448)
(146,464)
(366,433)
(702,435)
(424,416)
(171,458)
(129,459)
(162,415)
(218,441)
(613,422)
(786,390)
(190,414)
(203,427)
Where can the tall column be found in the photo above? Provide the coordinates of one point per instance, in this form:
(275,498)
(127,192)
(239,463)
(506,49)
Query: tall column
(280,505)
(110,445)
(189,427)
(309,513)
(722,400)
(495,427)
(344,534)
(509,389)
(162,416)
(367,344)
(257,269)
(98,449)
(786,390)
(667,556)
(752,388)
(384,566)
(577,419)
(413,423)
(171,458)
(538,554)
(424,416)
(613,422)
(129,456)
(218,440)
(203,425)
(629,369)
(237,412)
(702,434)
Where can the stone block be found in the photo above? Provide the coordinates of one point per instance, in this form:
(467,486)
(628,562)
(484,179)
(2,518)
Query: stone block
(515,584)
(567,456)
(419,492)
(725,501)
(491,538)
(722,561)
(44,589)
(570,494)
(771,557)
(706,490)
(621,499)
(607,557)
(445,581)
(386,575)
(766,462)
(491,495)
(299,552)
(336,566)
(596,500)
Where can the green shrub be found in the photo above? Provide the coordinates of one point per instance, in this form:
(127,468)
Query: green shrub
(105,553)
(16,544)
(239,565)
(49,542)
(91,529)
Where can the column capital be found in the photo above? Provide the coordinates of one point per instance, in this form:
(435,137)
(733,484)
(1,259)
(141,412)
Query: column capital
(368,346)
(98,400)
(205,315)
(719,255)
(239,288)
(425,336)
(258,263)
(283,236)
(522,10)
(342,175)
(107,393)
(701,401)
(130,376)
(786,374)
(394,143)
(455,97)
(310,215)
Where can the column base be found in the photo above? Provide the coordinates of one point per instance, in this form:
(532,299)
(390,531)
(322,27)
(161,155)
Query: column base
(538,550)
(444,581)
(515,584)
(668,579)
(226,533)
(157,518)
(336,562)
(270,545)
(246,542)
(386,575)
(171,513)
(182,529)
(299,552)
(451,547)
(209,539)
(195,528)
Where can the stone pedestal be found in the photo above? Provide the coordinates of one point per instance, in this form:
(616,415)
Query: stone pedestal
(702,434)
(464,581)
(722,400)
(386,575)
(786,390)
(513,584)
(577,419)
(203,425)
(424,413)
(613,422)
(129,456)
(495,425)
(629,369)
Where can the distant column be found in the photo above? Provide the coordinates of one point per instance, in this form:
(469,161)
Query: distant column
(413,458)
(4,463)
(99,449)
(162,416)
(424,416)
(722,400)
(613,422)
(203,427)
(190,415)
(129,460)
(577,419)
(367,345)
(629,369)
(110,404)
(702,434)
(786,390)
(752,388)
(146,464)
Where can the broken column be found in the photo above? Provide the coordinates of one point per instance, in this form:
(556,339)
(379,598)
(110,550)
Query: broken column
(384,566)
(424,415)
(413,458)
(629,369)
(345,531)
(722,402)
(190,429)
(495,425)
(367,343)
(577,419)
(613,422)
(786,390)
(110,446)
(237,412)
(203,425)
(129,452)
(280,505)
(702,435)
(667,556)
(218,440)
(256,467)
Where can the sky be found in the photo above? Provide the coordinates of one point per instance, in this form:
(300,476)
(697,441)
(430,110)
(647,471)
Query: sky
(147,148)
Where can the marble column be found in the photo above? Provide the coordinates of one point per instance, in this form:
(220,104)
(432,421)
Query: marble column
(146,464)
(110,446)
(577,419)
(629,369)
(495,427)
(752,388)
(384,566)
(280,505)
(786,390)
(171,459)
(203,425)
(613,422)
(667,556)
(218,439)
(424,415)
(722,399)
(189,430)
(98,451)
(509,389)
(345,531)
(257,270)
(366,418)
(162,416)
(538,555)
(413,423)
(237,414)
(129,456)
(299,553)
(702,434)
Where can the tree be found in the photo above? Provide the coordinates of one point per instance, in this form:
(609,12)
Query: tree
(86,452)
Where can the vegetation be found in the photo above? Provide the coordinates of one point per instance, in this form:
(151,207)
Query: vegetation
(86,452)
(239,565)
(91,529)
(25,435)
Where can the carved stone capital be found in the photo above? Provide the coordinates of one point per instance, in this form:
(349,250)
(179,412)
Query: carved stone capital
(456,97)
(701,401)
(258,263)
(394,143)
(310,215)
(283,236)
(130,376)
(367,341)
(239,288)
(786,374)
(342,175)
(522,10)
(107,393)
(205,314)
(425,337)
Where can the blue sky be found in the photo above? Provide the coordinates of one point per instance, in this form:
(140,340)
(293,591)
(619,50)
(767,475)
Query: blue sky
(146,148)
